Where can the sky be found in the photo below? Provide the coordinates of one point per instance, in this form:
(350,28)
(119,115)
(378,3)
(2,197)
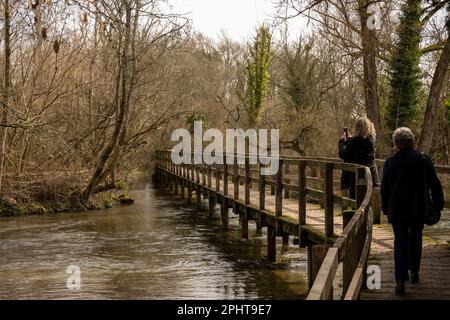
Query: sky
(238,18)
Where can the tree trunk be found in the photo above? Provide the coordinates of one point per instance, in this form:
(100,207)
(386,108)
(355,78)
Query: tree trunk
(123,109)
(434,100)
(6,84)
(369,51)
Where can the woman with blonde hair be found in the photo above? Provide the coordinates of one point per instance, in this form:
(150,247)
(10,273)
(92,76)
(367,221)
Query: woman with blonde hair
(358,149)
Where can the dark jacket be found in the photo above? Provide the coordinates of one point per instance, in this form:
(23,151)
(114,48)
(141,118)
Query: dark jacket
(402,187)
(360,151)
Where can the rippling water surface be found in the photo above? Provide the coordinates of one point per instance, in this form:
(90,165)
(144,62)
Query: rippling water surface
(158,248)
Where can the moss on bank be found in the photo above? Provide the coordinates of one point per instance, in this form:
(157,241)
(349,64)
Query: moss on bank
(12,208)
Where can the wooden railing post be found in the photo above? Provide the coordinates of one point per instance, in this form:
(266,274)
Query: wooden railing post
(247,181)
(209,177)
(262,196)
(350,261)
(361,186)
(262,189)
(217,175)
(328,199)
(286,171)
(244,220)
(198,174)
(225,175)
(376,206)
(279,190)
(301,199)
(236,179)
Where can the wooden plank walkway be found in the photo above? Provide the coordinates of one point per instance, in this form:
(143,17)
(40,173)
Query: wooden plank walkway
(435,267)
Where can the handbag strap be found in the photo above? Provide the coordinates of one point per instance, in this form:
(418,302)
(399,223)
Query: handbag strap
(423,158)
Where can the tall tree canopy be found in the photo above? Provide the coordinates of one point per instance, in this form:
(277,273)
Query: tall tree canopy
(257,74)
(403,103)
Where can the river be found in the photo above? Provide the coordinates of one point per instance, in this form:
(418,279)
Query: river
(158,248)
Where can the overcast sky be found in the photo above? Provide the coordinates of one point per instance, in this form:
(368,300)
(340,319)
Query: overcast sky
(238,18)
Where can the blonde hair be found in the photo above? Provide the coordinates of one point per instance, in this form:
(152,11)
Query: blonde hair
(364,128)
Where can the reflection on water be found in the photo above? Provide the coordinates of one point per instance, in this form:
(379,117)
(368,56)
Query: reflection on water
(156,249)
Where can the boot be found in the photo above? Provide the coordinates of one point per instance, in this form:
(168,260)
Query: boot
(400,288)
(414,276)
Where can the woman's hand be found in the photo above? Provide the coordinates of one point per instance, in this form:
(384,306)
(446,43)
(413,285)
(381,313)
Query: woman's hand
(346,136)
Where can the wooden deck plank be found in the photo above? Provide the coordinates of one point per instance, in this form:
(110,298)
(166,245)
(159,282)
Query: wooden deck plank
(434,274)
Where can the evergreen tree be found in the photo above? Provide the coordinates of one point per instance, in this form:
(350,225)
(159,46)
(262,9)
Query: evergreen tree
(257,74)
(403,103)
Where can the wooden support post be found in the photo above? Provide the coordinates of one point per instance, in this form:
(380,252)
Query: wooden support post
(224,213)
(285,237)
(316,255)
(198,196)
(271,243)
(328,199)
(182,189)
(244,224)
(189,195)
(376,206)
(212,206)
(204,176)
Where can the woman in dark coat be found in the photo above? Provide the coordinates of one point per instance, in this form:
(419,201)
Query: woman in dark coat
(402,200)
(359,149)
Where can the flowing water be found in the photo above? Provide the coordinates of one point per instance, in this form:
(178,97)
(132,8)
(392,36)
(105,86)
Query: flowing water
(158,248)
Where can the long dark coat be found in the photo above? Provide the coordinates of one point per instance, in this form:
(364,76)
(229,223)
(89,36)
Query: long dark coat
(360,151)
(402,187)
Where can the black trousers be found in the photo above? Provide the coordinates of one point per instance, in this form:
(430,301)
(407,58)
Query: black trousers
(407,249)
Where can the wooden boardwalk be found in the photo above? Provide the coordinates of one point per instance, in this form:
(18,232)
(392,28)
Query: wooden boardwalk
(435,267)
(338,243)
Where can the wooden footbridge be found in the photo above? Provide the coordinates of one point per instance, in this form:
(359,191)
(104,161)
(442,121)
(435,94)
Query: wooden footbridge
(302,200)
